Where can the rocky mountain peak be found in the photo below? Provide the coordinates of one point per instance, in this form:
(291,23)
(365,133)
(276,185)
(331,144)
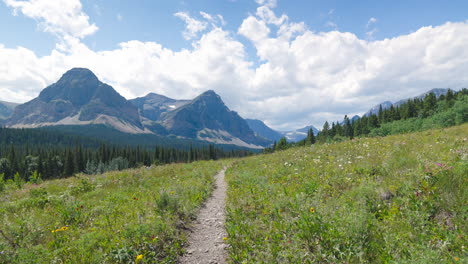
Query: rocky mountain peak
(77,85)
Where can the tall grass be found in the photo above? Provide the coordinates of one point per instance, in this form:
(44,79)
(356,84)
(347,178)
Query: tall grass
(398,199)
(109,218)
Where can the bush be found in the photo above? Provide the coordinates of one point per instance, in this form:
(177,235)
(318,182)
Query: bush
(35,178)
(18,181)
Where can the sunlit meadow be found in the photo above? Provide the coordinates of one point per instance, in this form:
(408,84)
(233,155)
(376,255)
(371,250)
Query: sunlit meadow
(396,199)
(118,217)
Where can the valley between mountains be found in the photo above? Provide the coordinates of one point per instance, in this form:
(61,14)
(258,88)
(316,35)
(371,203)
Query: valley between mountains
(87,176)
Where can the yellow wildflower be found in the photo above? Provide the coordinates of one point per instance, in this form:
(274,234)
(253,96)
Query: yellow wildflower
(312,210)
(139,258)
(456,259)
(225,238)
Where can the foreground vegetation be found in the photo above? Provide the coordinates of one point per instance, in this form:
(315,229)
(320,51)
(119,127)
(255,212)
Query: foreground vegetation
(398,199)
(118,217)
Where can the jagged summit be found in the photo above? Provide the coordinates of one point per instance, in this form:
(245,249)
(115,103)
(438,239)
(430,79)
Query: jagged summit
(78,98)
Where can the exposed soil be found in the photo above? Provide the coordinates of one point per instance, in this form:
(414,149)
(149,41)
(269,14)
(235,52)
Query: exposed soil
(206,243)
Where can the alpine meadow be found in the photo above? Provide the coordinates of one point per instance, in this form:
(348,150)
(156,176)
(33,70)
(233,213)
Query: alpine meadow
(233,131)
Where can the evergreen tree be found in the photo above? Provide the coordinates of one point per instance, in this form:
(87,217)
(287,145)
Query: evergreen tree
(69,164)
(282,144)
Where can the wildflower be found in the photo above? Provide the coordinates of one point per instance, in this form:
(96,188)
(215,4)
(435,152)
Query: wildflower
(139,258)
(456,259)
(312,210)
(64,228)
(225,238)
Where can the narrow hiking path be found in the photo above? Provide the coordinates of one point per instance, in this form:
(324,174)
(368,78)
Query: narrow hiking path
(206,243)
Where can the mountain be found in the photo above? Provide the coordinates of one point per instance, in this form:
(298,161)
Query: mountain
(352,119)
(262,130)
(387,104)
(6,109)
(207,118)
(78,98)
(299,134)
(152,106)
(436,91)
(375,110)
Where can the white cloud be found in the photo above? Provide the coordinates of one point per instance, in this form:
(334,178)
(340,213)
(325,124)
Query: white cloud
(372,20)
(371,31)
(193,26)
(119,17)
(268,3)
(254,29)
(215,20)
(305,77)
(62,17)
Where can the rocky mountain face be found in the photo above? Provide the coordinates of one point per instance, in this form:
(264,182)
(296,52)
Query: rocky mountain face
(207,118)
(6,109)
(78,98)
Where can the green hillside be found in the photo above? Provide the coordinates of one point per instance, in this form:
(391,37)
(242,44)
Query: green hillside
(396,199)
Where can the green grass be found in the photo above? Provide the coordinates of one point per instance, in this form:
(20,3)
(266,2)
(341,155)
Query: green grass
(397,199)
(108,218)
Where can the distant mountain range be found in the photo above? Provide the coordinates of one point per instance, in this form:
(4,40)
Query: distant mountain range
(262,130)
(387,104)
(79,98)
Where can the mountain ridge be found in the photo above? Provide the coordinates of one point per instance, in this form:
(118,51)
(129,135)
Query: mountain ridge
(79,98)
(387,104)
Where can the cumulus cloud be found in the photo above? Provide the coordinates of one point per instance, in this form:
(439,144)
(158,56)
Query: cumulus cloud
(303,77)
(193,26)
(62,17)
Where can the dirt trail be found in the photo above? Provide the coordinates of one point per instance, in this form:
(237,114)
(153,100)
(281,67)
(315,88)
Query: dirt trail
(206,244)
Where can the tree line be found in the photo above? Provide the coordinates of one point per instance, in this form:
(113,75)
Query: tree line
(443,111)
(27,163)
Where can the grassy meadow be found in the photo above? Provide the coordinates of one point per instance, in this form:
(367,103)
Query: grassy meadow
(395,199)
(119,217)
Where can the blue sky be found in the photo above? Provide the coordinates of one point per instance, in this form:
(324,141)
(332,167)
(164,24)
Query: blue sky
(154,20)
(290,63)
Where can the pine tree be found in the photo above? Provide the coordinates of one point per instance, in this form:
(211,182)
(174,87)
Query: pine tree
(311,136)
(69,164)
